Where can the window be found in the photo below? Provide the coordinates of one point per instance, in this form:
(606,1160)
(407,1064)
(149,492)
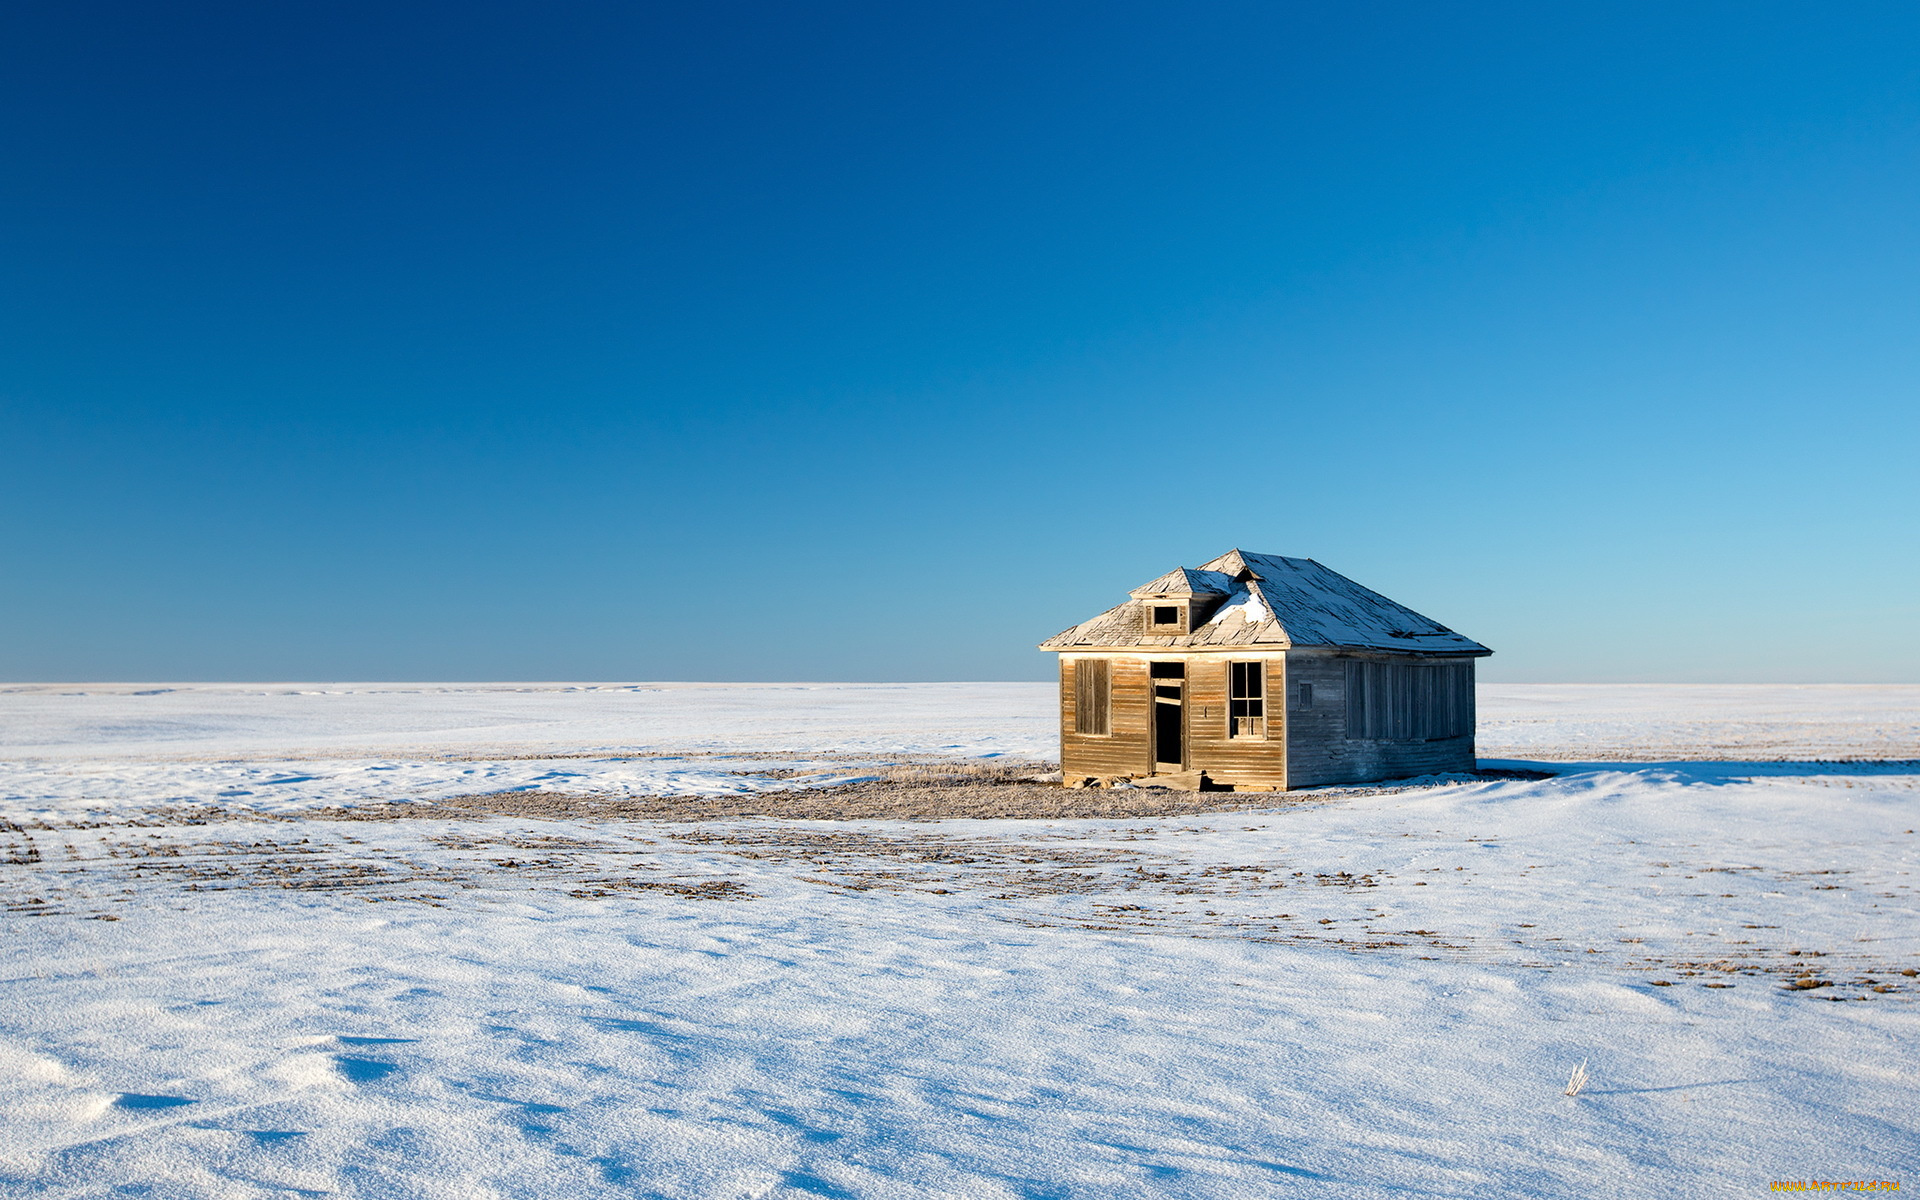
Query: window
(1406,702)
(1166,616)
(1246,700)
(1092,697)
(1305,692)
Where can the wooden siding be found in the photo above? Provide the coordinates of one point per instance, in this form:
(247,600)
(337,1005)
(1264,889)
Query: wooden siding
(1128,749)
(1229,759)
(1408,701)
(1318,749)
(1306,745)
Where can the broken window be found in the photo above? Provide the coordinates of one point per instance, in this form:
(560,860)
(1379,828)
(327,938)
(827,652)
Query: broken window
(1092,692)
(1246,700)
(1166,615)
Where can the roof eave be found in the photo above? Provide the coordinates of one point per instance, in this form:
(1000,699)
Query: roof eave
(1476,651)
(1056,646)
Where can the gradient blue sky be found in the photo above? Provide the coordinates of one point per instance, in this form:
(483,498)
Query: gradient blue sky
(880,341)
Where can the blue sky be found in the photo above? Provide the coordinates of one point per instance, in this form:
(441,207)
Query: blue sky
(880,341)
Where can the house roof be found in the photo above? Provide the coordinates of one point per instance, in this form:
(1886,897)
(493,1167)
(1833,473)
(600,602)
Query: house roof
(1183,581)
(1271,602)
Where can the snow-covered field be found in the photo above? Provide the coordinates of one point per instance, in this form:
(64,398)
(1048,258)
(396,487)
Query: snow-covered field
(214,982)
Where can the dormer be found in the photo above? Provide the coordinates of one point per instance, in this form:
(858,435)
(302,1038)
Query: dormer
(1180,601)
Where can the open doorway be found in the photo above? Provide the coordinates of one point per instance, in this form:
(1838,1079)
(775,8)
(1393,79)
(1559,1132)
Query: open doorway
(1169,715)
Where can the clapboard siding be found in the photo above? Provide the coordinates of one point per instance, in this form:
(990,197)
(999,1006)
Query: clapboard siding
(1228,759)
(1306,743)
(1127,750)
(1319,751)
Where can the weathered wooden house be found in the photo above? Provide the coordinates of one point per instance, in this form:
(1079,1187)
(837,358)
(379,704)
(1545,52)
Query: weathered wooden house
(1256,671)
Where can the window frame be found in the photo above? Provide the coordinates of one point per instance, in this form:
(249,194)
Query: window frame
(1176,626)
(1247,697)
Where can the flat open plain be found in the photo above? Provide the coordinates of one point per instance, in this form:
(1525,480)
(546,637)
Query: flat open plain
(784,940)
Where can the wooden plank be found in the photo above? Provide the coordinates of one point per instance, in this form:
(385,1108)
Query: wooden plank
(1126,748)
(1319,750)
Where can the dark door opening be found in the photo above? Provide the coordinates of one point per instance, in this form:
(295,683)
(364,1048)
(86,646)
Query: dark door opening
(1169,719)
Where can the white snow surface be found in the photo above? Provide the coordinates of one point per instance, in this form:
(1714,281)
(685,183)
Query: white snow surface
(1246,604)
(1370,992)
(287,748)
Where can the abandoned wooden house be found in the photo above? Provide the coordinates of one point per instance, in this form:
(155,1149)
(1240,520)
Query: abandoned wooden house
(1258,672)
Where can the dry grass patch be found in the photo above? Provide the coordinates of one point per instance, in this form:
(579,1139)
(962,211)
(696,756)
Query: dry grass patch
(866,800)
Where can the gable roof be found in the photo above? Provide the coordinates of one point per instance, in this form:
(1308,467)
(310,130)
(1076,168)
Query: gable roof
(1272,602)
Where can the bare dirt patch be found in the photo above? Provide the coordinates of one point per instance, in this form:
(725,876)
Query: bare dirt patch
(909,792)
(868,800)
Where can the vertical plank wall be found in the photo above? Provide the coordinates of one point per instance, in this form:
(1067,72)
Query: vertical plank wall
(1318,750)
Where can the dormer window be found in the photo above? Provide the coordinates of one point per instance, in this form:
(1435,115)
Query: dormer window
(1166,618)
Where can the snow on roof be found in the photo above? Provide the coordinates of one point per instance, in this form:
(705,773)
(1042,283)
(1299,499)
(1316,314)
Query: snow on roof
(1272,601)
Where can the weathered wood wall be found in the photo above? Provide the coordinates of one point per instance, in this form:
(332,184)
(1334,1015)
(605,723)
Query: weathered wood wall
(1128,750)
(1209,748)
(1306,743)
(1318,750)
